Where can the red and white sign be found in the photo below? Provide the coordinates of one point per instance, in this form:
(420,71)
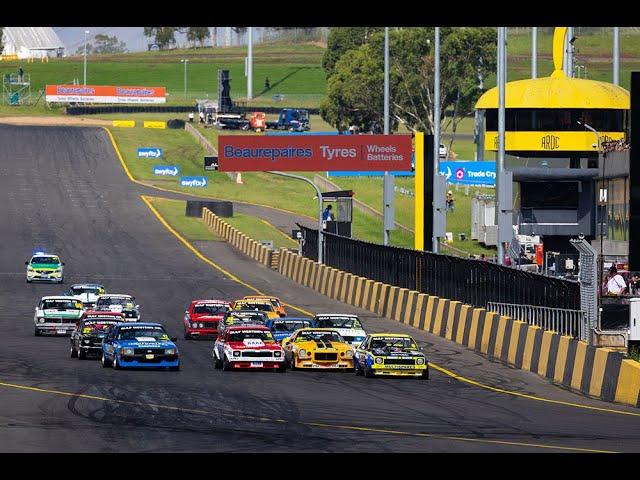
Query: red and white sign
(104,94)
(314,153)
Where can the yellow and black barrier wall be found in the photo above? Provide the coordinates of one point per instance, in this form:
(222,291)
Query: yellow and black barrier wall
(239,240)
(596,372)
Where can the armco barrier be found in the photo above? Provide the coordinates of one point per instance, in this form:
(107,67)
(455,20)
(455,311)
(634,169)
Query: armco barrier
(597,372)
(246,245)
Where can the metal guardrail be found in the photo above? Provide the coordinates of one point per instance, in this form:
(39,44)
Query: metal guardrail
(566,322)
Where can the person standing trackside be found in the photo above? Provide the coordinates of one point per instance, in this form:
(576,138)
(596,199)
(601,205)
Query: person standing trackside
(615,283)
(327,216)
(20,74)
(450,201)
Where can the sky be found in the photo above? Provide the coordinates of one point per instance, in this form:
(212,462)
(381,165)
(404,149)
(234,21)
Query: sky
(73,37)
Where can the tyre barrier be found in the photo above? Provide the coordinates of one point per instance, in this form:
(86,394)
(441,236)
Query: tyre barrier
(176,123)
(596,372)
(237,239)
(220,208)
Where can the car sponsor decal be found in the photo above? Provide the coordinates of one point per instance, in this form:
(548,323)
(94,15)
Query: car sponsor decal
(253,342)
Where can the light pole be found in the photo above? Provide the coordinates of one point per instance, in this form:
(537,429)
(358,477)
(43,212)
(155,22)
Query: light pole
(250,64)
(616,55)
(319,194)
(185,61)
(387,186)
(603,198)
(86,32)
(534,52)
(435,247)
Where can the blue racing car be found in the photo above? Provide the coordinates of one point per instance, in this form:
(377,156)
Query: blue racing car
(139,345)
(284,327)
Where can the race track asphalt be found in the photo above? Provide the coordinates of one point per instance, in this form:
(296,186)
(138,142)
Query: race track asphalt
(63,189)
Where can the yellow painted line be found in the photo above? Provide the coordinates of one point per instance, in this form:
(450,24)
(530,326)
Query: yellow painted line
(197,253)
(469,381)
(310,424)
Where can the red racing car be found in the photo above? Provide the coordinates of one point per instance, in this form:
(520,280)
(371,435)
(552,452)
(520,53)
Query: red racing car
(250,347)
(202,317)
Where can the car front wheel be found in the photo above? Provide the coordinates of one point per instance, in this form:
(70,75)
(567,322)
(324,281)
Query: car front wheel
(73,352)
(226,365)
(104,361)
(81,354)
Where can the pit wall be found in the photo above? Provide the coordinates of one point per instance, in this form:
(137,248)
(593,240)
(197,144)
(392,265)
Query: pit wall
(597,372)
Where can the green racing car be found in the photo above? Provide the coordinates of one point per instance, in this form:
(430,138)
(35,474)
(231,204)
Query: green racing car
(44,267)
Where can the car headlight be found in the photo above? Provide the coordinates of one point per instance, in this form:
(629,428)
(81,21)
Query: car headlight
(277,354)
(420,361)
(29,268)
(236,353)
(170,351)
(379,360)
(126,351)
(349,353)
(86,341)
(302,353)
(41,319)
(201,325)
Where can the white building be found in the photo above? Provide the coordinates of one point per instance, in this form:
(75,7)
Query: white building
(32,42)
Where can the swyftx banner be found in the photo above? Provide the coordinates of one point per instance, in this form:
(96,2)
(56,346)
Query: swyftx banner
(193,182)
(314,153)
(149,152)
(166,170)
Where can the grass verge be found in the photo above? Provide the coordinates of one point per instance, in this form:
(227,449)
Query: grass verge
(258,230)
(191,228)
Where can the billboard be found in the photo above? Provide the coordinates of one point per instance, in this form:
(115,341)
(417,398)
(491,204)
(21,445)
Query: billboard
(104,94)
(149,152)
(314,153)
(470,173)
(166,170)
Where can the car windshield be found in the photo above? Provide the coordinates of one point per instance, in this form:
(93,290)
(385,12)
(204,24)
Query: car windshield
(100,326)
(393,343)
(244,319)
(106,301)
(85,289)
(148,333)
(210,309)
(261,307)
(291,326)
(60,304)
(274,301)
(322,336)
(46,260)
(339,322)
(242,335)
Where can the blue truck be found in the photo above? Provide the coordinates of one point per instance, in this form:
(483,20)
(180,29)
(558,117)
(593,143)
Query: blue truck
(292,119)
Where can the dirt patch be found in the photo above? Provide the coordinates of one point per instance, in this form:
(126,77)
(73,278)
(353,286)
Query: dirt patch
(55,121)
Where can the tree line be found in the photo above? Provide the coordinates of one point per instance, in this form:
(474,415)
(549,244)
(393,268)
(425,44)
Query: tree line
(354,67)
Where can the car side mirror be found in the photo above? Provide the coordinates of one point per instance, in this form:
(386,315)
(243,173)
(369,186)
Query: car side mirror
(26,263)
(174,339)
(63,263)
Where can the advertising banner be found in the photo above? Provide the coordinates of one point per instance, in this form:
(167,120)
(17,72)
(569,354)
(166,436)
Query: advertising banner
(104,94)
(211,162)
(166,170)
(193,182)
(149,152)
(314,153)
(469,173)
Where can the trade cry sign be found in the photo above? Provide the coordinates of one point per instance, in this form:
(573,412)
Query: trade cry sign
(149,152)
(314,153)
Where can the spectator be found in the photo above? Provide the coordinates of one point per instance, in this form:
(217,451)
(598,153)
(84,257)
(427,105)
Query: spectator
(201,116)
(615,283)
(507,261)
(483,257)
(20,74)
(327,215)
(634,284)
(450,201)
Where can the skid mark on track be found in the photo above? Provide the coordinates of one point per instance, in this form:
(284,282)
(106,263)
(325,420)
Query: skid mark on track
(333,426)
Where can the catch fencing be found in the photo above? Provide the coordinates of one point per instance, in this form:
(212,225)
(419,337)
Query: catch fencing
(474,282)
(574,323)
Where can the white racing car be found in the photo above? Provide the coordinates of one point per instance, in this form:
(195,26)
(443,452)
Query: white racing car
(347,325)
(119,303)
(57,315)
(87,293)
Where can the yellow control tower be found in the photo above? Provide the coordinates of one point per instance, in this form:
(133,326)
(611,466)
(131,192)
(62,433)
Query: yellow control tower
(554,130)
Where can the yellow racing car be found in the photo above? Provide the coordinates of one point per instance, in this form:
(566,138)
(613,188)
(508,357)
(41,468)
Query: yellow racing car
(317,348)
(262,305)
(393,354)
